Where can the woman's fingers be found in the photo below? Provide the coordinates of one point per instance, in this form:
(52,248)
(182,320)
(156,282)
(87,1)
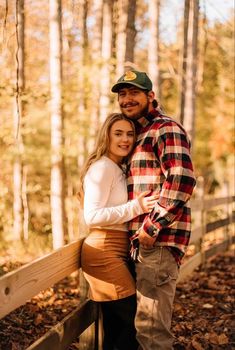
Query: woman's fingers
(147,202)
(151,200)
(144,194)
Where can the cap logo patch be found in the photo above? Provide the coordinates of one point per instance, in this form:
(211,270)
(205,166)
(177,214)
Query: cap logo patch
(129,75)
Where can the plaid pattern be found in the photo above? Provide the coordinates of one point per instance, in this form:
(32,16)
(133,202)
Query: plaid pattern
(161,163)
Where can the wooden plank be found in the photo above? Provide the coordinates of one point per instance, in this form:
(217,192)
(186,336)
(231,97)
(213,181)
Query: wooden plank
(73,325)
(212,226)
(196,235)
(24,283)
(220,247)
(196,204)
(213,202)
(187,268)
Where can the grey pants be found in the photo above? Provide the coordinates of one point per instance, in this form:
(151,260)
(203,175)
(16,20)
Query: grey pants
(156,274)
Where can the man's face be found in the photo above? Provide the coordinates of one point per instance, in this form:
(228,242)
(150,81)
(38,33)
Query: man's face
(134,102)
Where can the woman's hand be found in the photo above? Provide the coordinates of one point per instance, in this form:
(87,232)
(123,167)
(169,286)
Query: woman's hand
(147,202)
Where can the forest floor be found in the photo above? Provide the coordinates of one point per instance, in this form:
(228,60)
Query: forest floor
(203,317)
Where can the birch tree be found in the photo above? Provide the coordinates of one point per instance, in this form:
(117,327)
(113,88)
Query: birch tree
(130,31)
(153,44)
(96,44)
(106,57)
(189,68)
(18,115)
(121,35)
(82,79)
(57,159)
(125,38)
(184,59)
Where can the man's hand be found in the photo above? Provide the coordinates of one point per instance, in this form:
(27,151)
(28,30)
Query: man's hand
(145,240)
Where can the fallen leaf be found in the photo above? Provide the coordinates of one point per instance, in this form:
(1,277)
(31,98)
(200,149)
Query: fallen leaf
(178,327)
(213,338)
(196,345)
(15,346)
(178,307)
(213,283)
(38,319)
(189,326)
(222,339)
(207,306)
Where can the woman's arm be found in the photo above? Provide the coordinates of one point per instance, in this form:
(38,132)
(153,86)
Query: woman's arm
(97,186)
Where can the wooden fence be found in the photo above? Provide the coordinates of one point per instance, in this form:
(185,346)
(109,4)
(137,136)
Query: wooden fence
(210,216)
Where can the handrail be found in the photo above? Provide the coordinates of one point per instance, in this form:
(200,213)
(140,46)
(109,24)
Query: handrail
(207,203)
(18,286)
(73,325)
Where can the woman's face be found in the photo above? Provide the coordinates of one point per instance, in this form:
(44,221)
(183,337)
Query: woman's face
(121,140)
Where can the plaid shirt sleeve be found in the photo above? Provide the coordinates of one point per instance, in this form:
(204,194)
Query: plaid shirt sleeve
(172,149)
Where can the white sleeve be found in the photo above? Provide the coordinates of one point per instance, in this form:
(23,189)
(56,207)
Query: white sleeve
(97,185)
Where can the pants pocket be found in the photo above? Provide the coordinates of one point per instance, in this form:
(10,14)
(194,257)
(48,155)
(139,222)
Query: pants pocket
(156,267)
(168,269)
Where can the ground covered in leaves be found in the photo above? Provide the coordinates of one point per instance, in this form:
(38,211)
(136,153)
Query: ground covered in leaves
(203,316)
(29,322)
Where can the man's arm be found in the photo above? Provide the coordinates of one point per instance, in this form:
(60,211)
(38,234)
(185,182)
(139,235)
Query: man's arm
(172,148)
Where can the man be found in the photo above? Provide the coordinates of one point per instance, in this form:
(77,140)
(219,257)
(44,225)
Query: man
(160,163)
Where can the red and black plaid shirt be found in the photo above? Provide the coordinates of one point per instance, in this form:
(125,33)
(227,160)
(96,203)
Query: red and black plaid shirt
(161,163)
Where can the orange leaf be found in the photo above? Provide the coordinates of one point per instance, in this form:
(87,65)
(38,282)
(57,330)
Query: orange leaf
(38,319)
(196,345)
(222,339)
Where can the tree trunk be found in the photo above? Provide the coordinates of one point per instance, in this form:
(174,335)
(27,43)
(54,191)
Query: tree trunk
(204,41)
(25,204)
(106,57)
(130,31)
(122,10)
(184,60)
(82,81)
(17,204)
(153,47)
(57,159)
(18,217)
(189,105)
(125,37)
(96,44)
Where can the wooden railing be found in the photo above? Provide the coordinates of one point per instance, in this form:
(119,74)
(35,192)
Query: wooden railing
(20,285)
(203,226)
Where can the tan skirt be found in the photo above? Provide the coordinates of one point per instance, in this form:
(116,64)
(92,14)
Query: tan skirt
(104,264)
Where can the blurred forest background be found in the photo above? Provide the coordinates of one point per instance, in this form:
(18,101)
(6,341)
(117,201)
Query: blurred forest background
(58,62)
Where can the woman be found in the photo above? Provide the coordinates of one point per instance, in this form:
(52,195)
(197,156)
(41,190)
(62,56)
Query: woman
(105,250)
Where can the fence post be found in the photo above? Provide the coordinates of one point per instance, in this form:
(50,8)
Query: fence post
(87,340)
(228,213)
(201,195)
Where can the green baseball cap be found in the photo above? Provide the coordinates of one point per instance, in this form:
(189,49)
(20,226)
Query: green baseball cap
(133,77)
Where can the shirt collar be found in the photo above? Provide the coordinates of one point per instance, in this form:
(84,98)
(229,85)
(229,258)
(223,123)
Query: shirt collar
(144,121)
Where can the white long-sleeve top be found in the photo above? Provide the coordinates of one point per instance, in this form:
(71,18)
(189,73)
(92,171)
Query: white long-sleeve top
(105,197)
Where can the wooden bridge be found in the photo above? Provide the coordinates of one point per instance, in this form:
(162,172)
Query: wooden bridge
(212,217)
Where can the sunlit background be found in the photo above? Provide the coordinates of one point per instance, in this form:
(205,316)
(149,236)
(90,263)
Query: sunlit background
(91,61)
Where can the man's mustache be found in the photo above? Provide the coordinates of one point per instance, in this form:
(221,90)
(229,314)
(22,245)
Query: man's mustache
(129,104)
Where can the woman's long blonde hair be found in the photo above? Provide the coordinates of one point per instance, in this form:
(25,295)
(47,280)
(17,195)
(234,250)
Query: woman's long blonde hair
(101,146)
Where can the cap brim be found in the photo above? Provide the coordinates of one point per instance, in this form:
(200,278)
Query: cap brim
(118,86)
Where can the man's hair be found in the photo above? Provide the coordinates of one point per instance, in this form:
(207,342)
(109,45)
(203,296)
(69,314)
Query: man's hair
(154,103)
